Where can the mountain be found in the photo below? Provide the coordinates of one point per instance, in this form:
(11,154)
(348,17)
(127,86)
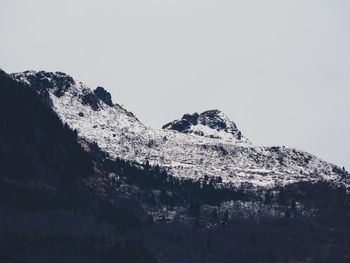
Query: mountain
(53,197)
(197,145)
(65,199)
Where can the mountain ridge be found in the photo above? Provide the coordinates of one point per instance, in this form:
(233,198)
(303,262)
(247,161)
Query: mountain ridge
(182,150)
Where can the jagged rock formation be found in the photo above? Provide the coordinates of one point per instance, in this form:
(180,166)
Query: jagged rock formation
(195,146)
(212,123)
(104,95)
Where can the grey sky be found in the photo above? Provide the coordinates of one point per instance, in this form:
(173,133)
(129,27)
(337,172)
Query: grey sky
(279,69)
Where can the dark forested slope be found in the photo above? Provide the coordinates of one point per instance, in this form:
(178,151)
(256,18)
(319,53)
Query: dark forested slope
(51,206)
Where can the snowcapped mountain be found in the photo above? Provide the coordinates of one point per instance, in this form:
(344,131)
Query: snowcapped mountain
(194,146)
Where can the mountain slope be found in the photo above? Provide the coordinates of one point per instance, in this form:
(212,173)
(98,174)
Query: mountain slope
(197,145)
(55,206)
(45,220)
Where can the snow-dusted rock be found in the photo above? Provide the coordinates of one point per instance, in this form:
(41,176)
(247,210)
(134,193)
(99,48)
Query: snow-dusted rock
(197,145)
(212,124)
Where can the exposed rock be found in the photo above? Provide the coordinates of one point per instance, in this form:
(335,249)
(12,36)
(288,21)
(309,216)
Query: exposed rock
(57,82)
(92,100)
(104,95)
(195,123)
(181,126)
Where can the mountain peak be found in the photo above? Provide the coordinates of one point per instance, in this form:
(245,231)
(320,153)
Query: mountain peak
(206,143)
(211,123)
(58,82)
(65,88)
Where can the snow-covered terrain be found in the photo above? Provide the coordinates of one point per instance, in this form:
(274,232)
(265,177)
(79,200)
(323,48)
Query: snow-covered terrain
(194,146)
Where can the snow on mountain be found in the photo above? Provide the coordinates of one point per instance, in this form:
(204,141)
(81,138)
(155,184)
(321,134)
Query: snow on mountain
(192,147)
(212,124)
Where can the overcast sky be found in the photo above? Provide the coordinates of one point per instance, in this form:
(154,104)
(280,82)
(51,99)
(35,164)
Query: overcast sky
(279,69)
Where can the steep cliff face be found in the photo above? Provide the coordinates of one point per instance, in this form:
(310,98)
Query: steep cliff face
(194,146)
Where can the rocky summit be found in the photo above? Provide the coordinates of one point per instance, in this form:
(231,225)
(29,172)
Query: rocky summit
(212,123)
(197,145)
